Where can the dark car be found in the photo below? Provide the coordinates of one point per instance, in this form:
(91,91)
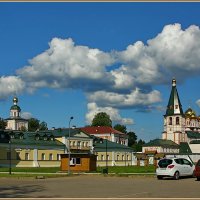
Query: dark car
(197,170)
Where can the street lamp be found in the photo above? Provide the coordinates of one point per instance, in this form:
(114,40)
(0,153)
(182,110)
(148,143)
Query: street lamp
(10,156)
(69,146)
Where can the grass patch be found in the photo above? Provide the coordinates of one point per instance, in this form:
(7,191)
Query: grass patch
(31,169)
(128,169)
(117,170)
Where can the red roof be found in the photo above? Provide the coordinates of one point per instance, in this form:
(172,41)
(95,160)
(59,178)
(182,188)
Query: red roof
(100,130)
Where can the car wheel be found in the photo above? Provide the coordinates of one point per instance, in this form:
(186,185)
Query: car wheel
(159,177)
(176,175)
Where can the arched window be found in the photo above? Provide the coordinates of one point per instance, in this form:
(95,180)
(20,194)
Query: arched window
(170,121)
(177,121)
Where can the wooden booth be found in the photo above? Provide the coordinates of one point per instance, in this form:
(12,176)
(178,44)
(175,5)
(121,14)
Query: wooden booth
(79,162)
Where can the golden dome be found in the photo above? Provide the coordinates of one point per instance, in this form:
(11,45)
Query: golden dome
(190,113)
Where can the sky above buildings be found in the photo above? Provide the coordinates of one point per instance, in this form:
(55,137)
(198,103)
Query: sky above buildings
(78,59)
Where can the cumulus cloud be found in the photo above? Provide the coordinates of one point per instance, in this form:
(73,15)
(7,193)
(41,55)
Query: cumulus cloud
(10,85)
(173,52)
(93,109)
(65,65)
(134,99)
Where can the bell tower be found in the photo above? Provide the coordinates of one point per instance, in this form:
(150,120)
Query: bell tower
(174,120)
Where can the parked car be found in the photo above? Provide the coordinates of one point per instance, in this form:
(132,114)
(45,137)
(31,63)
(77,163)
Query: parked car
(197,170)
(175,168)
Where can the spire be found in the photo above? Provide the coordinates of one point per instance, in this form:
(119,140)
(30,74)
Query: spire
(174,105)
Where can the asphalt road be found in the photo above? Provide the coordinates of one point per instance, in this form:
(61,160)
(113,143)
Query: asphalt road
(99,186)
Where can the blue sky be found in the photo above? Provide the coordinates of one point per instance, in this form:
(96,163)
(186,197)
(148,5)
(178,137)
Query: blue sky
(78,59)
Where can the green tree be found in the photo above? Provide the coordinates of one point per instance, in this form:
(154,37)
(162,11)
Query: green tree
(120,128)
(35,124)
(138,145)
(132,138)
(43,126)
(101,119)
(2,123)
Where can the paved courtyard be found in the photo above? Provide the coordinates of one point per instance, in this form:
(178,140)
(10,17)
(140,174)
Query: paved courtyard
(98,186)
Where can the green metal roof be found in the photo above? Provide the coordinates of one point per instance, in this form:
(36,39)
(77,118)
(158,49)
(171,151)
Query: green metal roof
(65,132)
(170,106)
(15,107)
(193,134)
(162,143)
(28,140)
(184,148)
(100,146)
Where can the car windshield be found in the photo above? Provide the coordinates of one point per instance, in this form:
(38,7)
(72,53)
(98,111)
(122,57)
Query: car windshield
(164,163)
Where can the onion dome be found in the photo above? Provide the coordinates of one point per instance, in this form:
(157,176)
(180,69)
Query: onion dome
(190,113)
(15,106)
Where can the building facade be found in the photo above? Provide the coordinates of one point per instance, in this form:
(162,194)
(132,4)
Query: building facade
(181,127)
(106,132)
(15,121)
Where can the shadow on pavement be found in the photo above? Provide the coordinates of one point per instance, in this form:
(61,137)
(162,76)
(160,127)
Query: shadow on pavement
(19,191)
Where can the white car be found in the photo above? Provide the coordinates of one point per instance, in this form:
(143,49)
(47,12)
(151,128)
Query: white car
(174,167)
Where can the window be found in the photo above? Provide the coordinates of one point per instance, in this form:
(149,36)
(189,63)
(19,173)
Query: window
(78,145)
(177,121)
(102,157)
(186,162)
(50,156)
(117,157)
(108,157)
(17,156)
(43,156)
(72,161)
(127,157)
(26,156)
(170,121)
(122,157)
(78,161)
(58,156)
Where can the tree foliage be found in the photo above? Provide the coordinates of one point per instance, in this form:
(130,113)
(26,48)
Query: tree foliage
(138,145)
(120,128)
(101,119)
(132,138)
(2,124)
(43,126)
(35,124)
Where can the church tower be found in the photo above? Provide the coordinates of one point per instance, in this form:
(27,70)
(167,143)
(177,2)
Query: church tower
(15,122)
(174,120)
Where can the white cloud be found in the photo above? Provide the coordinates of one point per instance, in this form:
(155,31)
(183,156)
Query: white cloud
(174,52)
(26,115)
(93,109)
(133,99)
(66,65)
(198,102)
(10,85)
